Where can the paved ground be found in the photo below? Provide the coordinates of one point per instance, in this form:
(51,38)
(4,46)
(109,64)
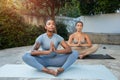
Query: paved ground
(13,56)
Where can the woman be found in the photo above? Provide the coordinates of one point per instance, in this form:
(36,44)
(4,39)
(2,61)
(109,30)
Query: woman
(48,55)
(81,42)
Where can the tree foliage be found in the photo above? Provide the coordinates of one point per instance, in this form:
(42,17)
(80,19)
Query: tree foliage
(92,7)
(14,32)
(62,30)
(106,6)
(47,7)
(71,9)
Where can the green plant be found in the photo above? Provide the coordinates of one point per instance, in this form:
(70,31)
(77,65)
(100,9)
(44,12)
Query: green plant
(32,32)
(61,30)
(92,7)
(71,9)
(14,32)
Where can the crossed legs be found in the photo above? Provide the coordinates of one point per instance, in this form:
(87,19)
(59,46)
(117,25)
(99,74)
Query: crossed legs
(86,51)
(41,63)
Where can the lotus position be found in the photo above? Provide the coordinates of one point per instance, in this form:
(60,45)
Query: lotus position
(45,53)
(81,42)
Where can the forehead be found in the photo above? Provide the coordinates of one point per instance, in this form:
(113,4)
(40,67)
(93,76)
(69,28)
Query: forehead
(79,23)
(50,21)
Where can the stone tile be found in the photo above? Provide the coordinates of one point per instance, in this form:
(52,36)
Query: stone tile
(13,56)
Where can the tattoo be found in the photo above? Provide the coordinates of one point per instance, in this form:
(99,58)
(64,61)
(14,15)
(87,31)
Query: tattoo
(36,46)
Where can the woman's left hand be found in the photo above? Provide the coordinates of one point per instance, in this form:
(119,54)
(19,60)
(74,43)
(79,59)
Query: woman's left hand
(52,46)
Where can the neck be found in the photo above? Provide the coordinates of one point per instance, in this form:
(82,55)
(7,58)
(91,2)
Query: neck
(50,34)
(79,32)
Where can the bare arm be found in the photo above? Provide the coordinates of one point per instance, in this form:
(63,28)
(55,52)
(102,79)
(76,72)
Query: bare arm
(70,43)
(36,46)
(66,50)
(88,42)
(36,52)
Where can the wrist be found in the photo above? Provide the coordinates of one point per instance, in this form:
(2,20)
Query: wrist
(48,52)
(56,51)
(77,45)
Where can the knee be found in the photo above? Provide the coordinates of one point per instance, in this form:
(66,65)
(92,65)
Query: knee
(95,46)
(26,57)
(75,53)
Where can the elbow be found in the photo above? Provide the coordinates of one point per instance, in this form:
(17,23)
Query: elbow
(69,44)
(33,53)
(69,50)
(90,45)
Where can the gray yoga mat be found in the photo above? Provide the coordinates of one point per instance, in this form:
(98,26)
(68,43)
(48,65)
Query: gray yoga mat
(76,71)
(98,56)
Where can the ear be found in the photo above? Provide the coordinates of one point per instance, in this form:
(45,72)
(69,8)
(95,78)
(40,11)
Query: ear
(45,27)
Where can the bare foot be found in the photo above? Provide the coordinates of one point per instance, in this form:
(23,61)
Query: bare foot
(50,71)
(59,70)
(81,56)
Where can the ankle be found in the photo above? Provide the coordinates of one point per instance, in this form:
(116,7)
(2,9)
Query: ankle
(81,56)
(45,70)
(50,71)
(60,70)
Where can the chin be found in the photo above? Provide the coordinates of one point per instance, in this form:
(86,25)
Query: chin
(51,31)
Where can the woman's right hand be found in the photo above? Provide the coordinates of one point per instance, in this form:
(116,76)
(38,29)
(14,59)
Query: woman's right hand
(52,48)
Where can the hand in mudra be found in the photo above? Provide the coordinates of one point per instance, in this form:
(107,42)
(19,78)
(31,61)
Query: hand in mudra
(52,47)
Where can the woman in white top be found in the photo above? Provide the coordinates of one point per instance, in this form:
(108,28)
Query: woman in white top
(81,42)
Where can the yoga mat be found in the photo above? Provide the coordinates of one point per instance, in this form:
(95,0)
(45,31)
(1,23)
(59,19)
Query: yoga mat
(76,71)
(98,56)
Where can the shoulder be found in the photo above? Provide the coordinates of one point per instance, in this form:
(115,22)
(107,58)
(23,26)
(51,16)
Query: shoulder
(41,36)
(85,35)
(58,36)
(72,35)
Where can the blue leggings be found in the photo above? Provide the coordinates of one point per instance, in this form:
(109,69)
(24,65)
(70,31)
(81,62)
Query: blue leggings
(53,60)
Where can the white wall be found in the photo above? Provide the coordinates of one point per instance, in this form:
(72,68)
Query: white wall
(70,22)
(105,23)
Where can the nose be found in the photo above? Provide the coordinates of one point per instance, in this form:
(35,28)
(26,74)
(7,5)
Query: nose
(52,26)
